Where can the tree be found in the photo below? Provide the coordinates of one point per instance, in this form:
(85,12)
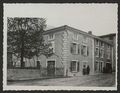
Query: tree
(25,38)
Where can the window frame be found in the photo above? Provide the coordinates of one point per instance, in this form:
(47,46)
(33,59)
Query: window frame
(101,53)
(102,44)
(86,50)
(98,51)
(97,42)
(76,69)
(75,36)
(96,68)
(77,48)
(52,46)
(51,38)
(85,39)
(108,52)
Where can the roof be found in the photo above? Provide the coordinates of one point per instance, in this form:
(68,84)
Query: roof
(107,35)
(66,27)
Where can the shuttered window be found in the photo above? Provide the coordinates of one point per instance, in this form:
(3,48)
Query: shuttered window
(78,66)
(74,66)
(75,36)
(97,52)
(51,37)
(84,50)
(74,48)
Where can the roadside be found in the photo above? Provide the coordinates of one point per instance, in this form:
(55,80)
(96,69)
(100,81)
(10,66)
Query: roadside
(91,80)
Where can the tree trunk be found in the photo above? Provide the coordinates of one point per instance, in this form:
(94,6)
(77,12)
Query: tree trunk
(29,62)
(34,61)
(22,51)
(22,61)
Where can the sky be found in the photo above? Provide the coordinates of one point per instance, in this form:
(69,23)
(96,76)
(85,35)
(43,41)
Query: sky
(101,19)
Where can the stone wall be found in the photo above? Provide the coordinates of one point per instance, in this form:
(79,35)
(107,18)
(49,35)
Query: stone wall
(25,74)
(21,74)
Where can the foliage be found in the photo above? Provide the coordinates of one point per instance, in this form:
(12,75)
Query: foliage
(25,37)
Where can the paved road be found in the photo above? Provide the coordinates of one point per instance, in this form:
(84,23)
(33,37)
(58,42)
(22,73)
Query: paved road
(95,80)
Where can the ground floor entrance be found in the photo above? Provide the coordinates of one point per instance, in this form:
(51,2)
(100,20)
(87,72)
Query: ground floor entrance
(51,68)
(108,67)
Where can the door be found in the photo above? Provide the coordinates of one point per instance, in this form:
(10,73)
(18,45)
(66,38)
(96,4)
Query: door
(84,68)
(108,67)
(51,68)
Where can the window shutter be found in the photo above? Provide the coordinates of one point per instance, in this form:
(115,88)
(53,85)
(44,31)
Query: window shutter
(78,48)
(81,50)
(71,48)
(78,67)
(87,51)
(71,66)
(99,52)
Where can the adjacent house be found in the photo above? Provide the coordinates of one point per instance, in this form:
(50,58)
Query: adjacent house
(111,38)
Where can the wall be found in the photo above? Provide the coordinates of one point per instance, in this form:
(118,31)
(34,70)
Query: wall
(26,74)
(88,59)
(21,74)
(58,57)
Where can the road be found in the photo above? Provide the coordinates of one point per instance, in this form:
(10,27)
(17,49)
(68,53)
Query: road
(105,80)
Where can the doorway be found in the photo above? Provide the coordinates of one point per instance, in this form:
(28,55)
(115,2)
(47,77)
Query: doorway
(51,68)
(108,67)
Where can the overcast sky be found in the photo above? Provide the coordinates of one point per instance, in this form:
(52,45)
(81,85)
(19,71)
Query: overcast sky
(99,18)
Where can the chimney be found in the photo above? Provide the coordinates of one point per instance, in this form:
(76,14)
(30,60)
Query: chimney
(90,32)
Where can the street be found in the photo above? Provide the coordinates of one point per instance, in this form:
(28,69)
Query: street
(105,80)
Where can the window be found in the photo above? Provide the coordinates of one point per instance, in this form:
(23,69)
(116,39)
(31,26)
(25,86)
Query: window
(84,51)
(74,66)
(101,53)
(38,64)
(75,36)
(84,39)
(102,44)
(52,45)
(51,36)
(74,48)
(101,66)
(97,43)
(96,65)
(108,52)
(97,52)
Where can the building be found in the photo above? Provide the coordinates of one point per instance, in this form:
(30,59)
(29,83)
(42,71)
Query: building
(111,38)
(74,50)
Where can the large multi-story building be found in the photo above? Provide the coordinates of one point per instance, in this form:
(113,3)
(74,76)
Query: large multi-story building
(75,50)
(111,38)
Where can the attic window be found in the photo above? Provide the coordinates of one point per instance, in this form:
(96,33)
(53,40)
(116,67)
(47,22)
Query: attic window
(75,36)
(51,36)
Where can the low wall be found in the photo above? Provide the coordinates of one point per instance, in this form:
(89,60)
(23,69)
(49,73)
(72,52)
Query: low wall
(19,74)
(24,74)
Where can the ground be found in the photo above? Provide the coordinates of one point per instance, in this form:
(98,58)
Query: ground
(105,80)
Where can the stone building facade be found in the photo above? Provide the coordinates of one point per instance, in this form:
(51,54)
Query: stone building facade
(74,50)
